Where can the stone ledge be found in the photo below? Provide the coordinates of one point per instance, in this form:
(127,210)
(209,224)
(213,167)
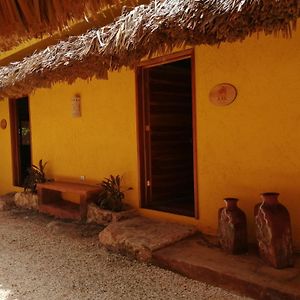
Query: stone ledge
(97,215)
(26,200)
(246,274)
(139,237)
(7,201)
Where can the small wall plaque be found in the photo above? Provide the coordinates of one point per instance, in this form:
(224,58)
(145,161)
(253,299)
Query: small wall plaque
(76,106)
(3,123)
(223,94)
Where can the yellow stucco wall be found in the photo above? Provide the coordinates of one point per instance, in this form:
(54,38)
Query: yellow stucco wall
(99,143)
(252,145)
(5,151)
(246,148)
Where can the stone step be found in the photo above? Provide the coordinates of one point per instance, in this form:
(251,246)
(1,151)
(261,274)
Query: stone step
(139,237)
(246,274)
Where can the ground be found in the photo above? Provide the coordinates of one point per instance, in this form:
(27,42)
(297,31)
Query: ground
(41,258)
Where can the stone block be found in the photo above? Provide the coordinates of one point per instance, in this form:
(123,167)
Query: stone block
(26,200)
(139,237)
(97,215)
(7,201)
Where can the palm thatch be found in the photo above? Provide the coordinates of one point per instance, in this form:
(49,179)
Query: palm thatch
(25,19)
(144,31)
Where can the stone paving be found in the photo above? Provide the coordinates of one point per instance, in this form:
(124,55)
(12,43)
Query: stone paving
(138,237)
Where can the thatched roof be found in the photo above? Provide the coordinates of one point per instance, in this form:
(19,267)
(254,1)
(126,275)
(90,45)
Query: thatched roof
(25,19)
(157,27)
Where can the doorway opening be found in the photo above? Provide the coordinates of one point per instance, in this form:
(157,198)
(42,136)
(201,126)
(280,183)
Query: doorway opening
(20,138)
(167,136)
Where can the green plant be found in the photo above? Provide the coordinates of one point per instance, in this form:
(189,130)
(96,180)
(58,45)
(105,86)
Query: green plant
(112,195)
(36,174)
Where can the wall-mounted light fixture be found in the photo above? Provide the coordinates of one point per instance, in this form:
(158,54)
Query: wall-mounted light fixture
(76,106)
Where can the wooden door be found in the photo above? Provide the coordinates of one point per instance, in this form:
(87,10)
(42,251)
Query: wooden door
(20,138)
(167,136)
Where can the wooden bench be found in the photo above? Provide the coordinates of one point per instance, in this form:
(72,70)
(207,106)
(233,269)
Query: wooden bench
(51,202)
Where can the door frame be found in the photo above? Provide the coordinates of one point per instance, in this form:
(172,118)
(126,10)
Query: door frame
(15,142)
(144,138)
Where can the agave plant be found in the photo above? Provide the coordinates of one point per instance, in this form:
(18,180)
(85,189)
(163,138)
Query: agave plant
(36,174)
(112,195)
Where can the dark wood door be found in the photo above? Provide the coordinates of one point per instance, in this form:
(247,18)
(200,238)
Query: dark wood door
(21,139)
(167,137)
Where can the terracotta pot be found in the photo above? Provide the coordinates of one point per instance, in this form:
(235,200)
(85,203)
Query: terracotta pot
(232,228)
(273,231)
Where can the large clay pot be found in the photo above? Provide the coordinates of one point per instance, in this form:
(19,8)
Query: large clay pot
(273,231)
(232,228)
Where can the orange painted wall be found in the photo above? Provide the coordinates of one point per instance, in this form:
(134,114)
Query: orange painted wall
(246,148)
(100,142)
(252,145)
(5,151)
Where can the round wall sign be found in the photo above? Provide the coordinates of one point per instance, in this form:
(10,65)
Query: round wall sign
(3,123)
(223,94)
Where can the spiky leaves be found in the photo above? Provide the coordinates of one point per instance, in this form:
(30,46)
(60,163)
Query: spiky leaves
(112,195)
(36,174)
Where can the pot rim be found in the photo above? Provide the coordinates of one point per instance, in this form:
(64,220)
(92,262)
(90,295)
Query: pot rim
(270,194)
(231,199)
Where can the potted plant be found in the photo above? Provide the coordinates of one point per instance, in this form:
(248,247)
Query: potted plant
(36,174)
(29,198)
(112,195)
(109,206)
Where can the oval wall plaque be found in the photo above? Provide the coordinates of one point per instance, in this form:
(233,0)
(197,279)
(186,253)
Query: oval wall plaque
(223,94)
(3,123)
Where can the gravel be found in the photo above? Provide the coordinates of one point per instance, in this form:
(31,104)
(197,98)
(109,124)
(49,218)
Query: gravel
(41,258)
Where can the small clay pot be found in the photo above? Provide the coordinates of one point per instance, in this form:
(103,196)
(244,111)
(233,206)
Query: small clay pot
(273,232)
(232,228)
